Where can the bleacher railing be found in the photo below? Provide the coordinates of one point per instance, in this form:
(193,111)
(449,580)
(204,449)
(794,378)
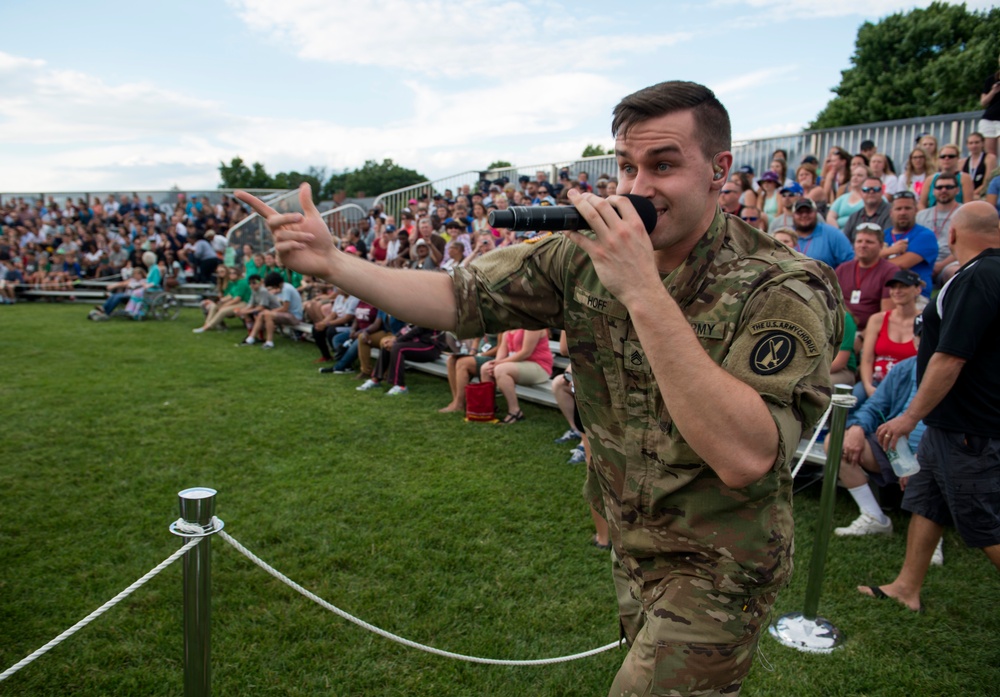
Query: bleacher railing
(253,231)
(894,138)
(165,199)
(392,202)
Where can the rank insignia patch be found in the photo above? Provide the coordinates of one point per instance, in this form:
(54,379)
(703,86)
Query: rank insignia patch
(772,353)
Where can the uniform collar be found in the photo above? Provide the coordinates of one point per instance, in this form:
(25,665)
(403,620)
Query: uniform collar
(684,282)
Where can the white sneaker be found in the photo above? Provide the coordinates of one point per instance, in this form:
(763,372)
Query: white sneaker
(198,330)
(937,559)
(367,385)
(864,525)
(396,389)
(570,435)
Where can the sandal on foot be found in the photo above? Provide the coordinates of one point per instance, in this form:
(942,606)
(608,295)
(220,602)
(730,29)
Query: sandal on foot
(513,417)
(880,594)
(593,541)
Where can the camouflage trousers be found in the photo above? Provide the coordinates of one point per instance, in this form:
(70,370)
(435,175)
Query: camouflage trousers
(685,637)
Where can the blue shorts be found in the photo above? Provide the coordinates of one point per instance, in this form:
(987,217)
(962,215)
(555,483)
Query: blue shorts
(959,480)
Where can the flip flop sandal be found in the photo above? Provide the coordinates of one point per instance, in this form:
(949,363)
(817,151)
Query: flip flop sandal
(880,594)
(513,417)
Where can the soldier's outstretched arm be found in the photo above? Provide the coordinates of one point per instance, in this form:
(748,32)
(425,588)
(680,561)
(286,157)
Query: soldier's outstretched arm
(304,244)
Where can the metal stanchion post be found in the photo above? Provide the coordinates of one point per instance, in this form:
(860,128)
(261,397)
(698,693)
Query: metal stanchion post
(804,630)
(198,508)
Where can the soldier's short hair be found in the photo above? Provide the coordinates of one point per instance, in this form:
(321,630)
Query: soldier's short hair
(711,118)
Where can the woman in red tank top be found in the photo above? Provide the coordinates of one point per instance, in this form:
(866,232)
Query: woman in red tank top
(889,334)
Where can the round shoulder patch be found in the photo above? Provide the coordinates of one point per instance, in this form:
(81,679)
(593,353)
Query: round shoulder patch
(772,353)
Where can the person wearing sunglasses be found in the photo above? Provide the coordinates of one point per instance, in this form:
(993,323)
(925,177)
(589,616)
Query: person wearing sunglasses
(949,162)
(911,246)
(785,218)
(938,219)
(729,198)
(875,209)
(752,216)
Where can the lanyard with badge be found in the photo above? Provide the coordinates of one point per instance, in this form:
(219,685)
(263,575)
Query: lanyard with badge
(858,280)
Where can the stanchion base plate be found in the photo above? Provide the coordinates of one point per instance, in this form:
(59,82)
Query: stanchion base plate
(811,636)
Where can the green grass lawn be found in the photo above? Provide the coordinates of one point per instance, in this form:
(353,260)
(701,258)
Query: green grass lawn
(469,537)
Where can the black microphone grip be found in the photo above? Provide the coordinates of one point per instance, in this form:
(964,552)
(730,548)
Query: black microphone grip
(561,217)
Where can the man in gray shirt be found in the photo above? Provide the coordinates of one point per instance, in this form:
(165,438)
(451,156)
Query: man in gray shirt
(876,209)
(937,219)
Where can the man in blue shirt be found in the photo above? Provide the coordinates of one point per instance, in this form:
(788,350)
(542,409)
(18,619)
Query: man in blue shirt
(817,239)
(908,245)
(864,458)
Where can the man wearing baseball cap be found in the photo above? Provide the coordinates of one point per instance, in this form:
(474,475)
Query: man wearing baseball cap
(817,239)
(787,196)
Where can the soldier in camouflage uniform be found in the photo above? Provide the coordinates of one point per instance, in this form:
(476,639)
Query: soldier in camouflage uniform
(700,352)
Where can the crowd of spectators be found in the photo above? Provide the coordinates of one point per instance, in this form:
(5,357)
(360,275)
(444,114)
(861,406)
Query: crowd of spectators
(46,244)
(885,232)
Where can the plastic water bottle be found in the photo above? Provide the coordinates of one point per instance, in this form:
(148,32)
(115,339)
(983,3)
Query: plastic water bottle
(904,464)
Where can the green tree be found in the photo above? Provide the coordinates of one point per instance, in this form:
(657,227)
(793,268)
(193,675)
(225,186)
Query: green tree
(236,175)
(499,164)
(595,150)
(292,180)
(919,63)
(375,178)
(336,182)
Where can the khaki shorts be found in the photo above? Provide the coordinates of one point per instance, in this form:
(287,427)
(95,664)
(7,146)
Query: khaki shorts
(530,373)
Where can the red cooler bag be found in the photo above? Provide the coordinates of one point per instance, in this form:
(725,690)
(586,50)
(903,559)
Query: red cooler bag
(480,401)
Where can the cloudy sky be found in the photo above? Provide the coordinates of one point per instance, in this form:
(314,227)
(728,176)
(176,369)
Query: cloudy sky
(133,95)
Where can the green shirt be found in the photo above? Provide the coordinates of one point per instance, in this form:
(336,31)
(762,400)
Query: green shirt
(238,289)
(850,331)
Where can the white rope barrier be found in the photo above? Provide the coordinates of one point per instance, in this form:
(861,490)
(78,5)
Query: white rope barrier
(393,637)
(840,400)
(99,611)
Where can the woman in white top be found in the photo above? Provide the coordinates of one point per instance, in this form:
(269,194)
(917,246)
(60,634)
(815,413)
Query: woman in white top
(883,170)
(916,170)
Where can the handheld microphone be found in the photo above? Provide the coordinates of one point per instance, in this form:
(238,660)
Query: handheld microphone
(562,217)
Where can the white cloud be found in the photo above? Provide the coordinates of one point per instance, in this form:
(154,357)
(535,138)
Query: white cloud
(774,129)
(77,132)
(43,105)
(750,81)
(441,38)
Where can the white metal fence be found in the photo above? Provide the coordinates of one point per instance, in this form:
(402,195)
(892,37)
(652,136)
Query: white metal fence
(166,200)
(253,231)
(894,138)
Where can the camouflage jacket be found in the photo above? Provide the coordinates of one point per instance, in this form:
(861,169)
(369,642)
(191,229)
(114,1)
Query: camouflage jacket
(769,316)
